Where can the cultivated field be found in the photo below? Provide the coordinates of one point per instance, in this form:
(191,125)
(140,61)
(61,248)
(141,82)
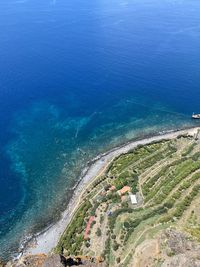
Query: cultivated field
(165,179)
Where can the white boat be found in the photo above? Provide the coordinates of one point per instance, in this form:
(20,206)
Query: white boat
(196,116)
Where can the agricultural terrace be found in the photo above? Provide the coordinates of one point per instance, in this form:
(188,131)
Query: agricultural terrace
(164,177)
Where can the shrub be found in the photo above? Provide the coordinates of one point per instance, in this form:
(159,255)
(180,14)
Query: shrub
(113,236)
(101,219)
(98,232)
(87,244)
(118,260)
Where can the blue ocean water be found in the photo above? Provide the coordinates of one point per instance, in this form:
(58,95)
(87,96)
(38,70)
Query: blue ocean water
(84,76)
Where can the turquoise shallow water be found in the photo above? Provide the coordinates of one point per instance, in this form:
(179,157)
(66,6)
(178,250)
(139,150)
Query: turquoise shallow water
(78,78)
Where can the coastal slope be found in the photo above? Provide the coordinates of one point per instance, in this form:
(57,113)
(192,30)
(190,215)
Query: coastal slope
(136,206)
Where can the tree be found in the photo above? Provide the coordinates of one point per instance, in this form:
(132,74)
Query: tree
(115,246)
(126,225)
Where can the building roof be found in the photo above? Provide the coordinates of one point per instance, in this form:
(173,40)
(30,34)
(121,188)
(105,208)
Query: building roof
(124,190)
(88,226)
(133,199)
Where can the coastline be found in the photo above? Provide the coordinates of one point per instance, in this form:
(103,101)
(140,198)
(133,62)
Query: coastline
(46,240)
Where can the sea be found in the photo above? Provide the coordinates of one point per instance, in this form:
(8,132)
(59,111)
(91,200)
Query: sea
(78,78)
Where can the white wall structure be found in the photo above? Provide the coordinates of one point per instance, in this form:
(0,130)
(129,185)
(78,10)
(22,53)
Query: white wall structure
(133,199)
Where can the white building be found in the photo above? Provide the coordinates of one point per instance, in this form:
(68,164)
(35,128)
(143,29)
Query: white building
(133,199)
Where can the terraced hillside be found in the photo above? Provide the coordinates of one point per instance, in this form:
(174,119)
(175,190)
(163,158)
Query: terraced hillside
(163,178)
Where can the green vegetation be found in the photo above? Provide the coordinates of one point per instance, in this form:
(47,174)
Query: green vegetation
(139,154)
(98,232)
(179,173)
(127,178)
(72,238)
(188,150)
(166,177)
(193,226)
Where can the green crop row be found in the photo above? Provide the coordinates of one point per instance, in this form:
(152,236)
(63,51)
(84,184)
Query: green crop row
(149,214)
(174,178)
(189,149)
(72,238)
(123,161)
(182,206)
(147,186)
(162,154)
(176,195)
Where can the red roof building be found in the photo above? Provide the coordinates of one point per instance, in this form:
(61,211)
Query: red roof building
(88,226)
(124,190)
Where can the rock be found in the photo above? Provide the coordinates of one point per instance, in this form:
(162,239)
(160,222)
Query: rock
(182,260)
(54,261)
(28,261)
(180,251)
(178,242)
